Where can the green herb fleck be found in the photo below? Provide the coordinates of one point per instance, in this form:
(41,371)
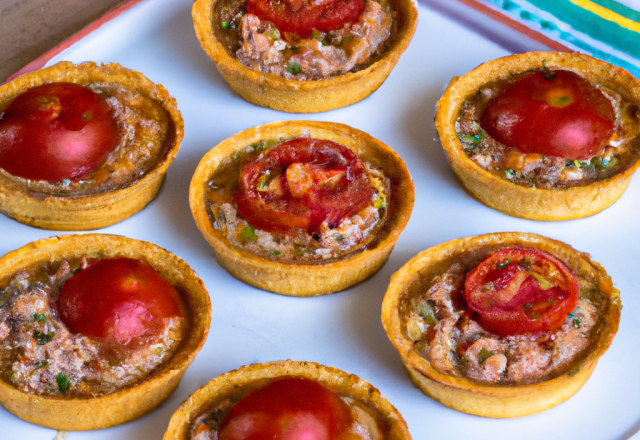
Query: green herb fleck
(534,316)
(380,202)
(263,180)
(225,25)
(275,253)
(63,382)
(273,34)
(577,163)
(576,323)
(39,365)
(346,40)
(248,234)
(471,138)
(604,164)
(488,286)
(293,68)
(320,36)
(426,311)
(40,317)
(340,238)
(504,264)
(542,282)
(525,264)
(510,173)
(574,312)
(527,306)
(43,338)
(484,355)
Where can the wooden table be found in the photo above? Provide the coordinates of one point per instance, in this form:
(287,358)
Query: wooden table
(29,28)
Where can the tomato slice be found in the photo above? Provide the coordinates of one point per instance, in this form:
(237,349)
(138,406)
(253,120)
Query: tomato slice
(517,290)
(300,184)
(121,301)
(555,113)
(303,16)
(56,131)
(287,409)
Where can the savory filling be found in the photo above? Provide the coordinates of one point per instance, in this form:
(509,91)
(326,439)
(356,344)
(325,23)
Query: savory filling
(532,338)
(144,133)
(276,203)
(40,355)
(293,408)
(347,46)
(550,129)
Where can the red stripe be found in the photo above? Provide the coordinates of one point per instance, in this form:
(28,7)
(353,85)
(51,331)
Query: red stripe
(39,62)
(516,25)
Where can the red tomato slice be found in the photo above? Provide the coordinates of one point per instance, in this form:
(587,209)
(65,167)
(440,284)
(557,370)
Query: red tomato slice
(56,131)
(556,113)
(300,184)
(516,291)
(287,409)
(303,16)
(121,301)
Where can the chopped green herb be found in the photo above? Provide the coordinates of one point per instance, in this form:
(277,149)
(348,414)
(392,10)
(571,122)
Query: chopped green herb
(471,138)
(43,338)
(225,25)
(577,163)
(340,238)
(293,68)
(527,306)
(273,34)
(504,264)
(604,164)
(576,323)
(40,317)
(275,253)
(263,180)
(534,316)
(484,355)
(426,311)
(525,264)
(380,202)
(488,286)
(39,365)
(248,234)
(543,282)
(510,173)
(63,382)
(574,312)
(317,35)
(292,48)
(346,40)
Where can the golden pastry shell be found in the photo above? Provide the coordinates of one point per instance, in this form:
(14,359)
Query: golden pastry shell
(88,211)
(306,279)
(483,399)
(137,399)
(251,377)
(513,199)
(278,93)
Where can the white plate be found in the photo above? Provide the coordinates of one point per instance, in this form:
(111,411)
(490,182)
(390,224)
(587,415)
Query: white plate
(344,330)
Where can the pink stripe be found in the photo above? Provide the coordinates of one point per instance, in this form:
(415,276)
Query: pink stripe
(39,62)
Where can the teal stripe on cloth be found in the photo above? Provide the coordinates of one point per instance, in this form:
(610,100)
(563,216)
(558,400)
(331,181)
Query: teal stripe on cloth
(580,29)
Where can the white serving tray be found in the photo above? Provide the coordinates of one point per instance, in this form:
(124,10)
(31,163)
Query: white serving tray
(343,330)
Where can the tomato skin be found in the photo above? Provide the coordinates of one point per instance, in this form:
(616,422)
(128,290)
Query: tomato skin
(121,301)
(565,116)
(301,17)
(315,180)
(508,297)
(291,408)
(56,131)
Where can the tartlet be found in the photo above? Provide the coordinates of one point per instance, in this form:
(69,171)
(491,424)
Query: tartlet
(481,397)
(497,191)
(59,208)
(140,397)
(238,383)
(278,93)
(307,278)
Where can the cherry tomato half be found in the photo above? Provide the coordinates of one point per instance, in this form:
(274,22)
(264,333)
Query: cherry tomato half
(516,291)
(56,131)
(121,301)
(301,17)
(556,113)
(300,184)
(287,409)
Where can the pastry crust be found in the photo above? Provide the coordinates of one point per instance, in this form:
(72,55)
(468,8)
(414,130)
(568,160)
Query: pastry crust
(306,279)
(68,213)
(277,93)
(247,378)
(132,401)
(510,198)
(483,399)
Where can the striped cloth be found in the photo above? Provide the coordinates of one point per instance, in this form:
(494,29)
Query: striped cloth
(606,29)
